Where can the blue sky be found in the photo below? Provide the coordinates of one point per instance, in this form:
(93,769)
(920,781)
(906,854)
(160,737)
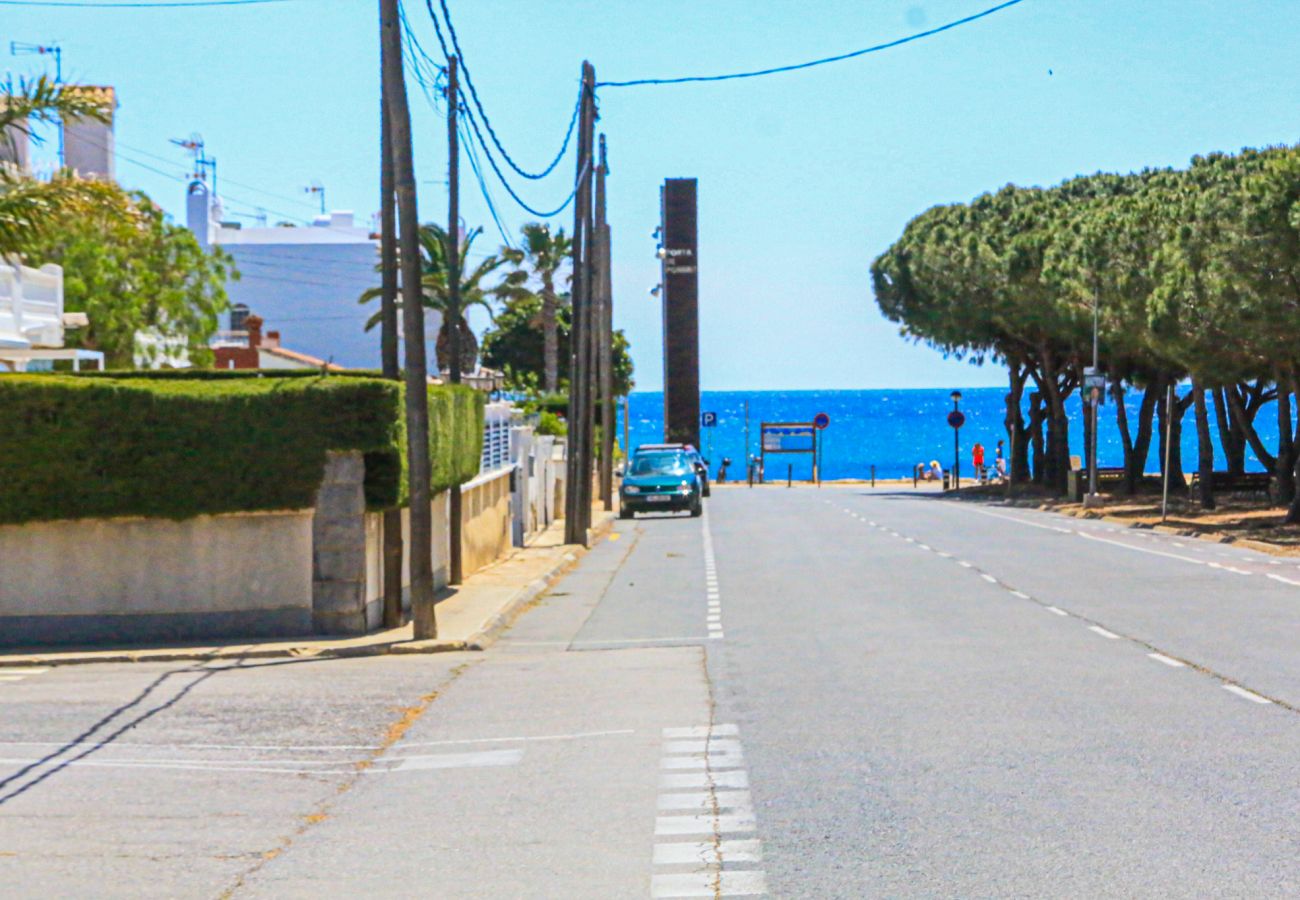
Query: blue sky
(804,177)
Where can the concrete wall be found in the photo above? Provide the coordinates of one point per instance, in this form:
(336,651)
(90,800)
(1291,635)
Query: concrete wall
(132,579)
(485,520)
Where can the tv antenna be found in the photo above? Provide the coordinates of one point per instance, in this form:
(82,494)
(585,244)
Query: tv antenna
(23,48)
(317,188)
(203,164)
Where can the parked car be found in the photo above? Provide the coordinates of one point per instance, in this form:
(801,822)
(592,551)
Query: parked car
(701,464)
(663,479)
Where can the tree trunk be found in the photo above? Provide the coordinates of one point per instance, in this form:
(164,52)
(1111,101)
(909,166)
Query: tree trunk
(419,467)
(1230,435)
(1243,419)
(1017,434)
(1205,448)
(1037,414)
(1137,449)
(1284,462)
(1058,427)
(550,339)
(1174,429)
(392,553)
(468,347)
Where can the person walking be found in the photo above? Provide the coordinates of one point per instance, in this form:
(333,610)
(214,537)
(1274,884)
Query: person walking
(977,457)
(999,462)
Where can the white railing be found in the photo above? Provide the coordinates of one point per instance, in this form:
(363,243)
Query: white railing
(496,437)
(31,306)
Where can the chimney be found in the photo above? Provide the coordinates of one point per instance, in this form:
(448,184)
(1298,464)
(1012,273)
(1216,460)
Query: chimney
(88,145)
(198,212)
(253,325)
(272,340)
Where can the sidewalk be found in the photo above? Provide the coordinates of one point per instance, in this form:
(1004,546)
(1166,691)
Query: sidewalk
(470,616)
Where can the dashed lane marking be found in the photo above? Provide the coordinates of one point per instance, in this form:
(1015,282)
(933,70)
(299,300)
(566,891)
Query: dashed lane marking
(1248,695)
(1021,594)
(1097,629)
(1057,610)
(989,578)
(1283,579)
(1168,660)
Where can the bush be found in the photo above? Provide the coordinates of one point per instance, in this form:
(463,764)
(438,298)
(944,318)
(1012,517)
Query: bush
(162,446)
(550,423)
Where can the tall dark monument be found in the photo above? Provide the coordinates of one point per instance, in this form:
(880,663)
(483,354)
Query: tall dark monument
(681,291)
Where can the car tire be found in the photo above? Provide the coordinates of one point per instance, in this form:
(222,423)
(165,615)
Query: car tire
(707,490)
(625,513)
(697,509)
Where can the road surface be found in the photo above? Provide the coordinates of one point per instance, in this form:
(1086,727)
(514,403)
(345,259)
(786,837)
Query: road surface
(808,693)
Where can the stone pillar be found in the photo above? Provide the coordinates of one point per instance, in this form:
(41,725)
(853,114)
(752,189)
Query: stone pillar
(338,589)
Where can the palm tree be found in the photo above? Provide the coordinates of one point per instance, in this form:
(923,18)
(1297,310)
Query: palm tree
(30,206)
(433,279)
(540,258)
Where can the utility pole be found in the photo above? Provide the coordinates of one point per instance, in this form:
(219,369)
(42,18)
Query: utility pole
(604,336)
(417,383)
(453,297)
(392,553)
(577,500)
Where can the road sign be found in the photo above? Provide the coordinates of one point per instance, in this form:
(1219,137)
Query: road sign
(708,419)
(821,420)
(956,418)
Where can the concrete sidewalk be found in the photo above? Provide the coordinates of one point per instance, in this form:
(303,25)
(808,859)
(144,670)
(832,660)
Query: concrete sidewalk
(470,616)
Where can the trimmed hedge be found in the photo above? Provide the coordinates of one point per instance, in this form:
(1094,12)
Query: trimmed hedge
(170,447)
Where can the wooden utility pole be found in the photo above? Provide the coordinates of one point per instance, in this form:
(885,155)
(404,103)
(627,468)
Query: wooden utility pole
(603,333)
(388,355)
(417,382)
(453,297)
(577,500)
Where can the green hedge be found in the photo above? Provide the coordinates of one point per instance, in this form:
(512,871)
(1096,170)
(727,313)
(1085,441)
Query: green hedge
(164,446)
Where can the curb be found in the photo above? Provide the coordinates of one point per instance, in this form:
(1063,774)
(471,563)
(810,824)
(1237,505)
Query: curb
(478,641)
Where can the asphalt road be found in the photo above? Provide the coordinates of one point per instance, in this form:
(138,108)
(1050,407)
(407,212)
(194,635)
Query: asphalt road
(808,693)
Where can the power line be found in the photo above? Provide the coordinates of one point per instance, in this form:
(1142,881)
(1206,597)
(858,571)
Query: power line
(689,79)
(143,4)
(487,123)
(482,185)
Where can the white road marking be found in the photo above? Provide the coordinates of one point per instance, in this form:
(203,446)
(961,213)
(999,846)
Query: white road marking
(1249,695)
(727,883)
(1197,562)
(926,547)
(708,853)
(708,745)
(12,677)
(1167,660)
(1283,579)
(705,823)
(1021,594)
(325,748)
(989,578)
(910,540)
(23,670)
(1057,610)
(702,731)
(945,555)
(965,565)
(462,760)
(706,800)
(1179,544)
(1018,520)
(1097,629)
(735,778)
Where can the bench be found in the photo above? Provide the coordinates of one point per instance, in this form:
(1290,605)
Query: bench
(1233,483)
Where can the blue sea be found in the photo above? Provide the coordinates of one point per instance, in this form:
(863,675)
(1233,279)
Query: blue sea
(892,429)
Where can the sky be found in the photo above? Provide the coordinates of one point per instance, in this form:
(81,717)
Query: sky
(803,178)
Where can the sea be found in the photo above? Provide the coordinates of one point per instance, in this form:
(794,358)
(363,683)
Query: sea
(892,430)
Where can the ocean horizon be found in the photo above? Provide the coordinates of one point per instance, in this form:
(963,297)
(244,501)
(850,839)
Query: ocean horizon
(892,429)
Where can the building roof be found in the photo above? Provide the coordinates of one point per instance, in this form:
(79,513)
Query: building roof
(303,358)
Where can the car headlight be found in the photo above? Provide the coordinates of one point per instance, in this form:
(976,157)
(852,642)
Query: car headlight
(684,487)
(631,489)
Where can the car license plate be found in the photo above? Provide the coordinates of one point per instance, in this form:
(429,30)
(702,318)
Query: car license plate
(658,498)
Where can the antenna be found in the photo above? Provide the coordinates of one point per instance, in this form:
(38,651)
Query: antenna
(203,164)
(22,48)
(317,188)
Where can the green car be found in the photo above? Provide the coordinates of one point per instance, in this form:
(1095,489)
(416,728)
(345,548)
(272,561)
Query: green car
(660,481)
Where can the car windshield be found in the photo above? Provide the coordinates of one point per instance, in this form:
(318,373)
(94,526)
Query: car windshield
(660,464)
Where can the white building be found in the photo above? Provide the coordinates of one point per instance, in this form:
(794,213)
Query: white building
(306,279)
(32,320)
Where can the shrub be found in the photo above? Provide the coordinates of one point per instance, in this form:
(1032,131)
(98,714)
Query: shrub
(162,446)
(550,423)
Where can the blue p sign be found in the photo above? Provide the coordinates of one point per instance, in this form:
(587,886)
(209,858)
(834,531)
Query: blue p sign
(708,419)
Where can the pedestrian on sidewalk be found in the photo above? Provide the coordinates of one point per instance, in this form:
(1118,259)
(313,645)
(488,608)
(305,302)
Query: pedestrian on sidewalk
(977,457)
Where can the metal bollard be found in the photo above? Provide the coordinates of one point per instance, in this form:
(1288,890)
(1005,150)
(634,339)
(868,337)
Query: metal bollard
(873,476)
(789,475)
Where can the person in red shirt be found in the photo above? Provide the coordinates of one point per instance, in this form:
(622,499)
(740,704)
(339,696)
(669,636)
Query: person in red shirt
(977,457)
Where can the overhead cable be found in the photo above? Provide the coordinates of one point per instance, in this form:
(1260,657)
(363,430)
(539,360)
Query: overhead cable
(777,70)
(487,123)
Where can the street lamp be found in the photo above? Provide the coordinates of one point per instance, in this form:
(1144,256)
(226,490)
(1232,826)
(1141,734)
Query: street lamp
(956,443)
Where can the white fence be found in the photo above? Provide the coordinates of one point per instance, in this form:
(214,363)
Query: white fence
(496,437)
(31,306)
